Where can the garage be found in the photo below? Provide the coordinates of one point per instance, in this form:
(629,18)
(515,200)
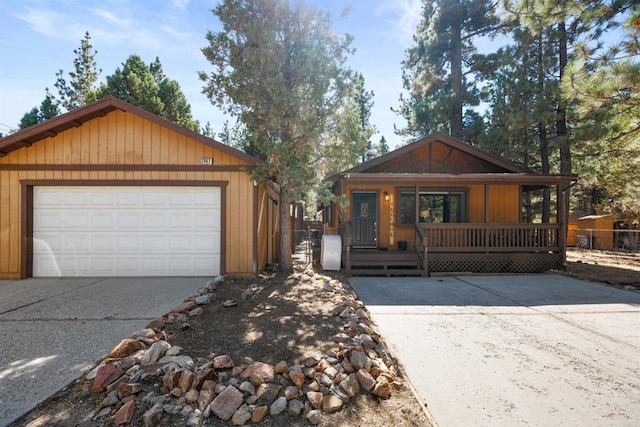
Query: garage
(109,190)
(126,231)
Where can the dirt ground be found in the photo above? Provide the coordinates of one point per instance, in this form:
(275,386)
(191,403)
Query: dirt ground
(619,269)
(290,319)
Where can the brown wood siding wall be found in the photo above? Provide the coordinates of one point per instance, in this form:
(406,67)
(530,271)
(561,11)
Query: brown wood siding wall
(504,207)
(267,226)
(504,204)
(123,146)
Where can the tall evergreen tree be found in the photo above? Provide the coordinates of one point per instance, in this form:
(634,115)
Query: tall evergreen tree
(279,67)
(383,147)
(604,85)
(47,110)
(147,87)
(438,71)
(81,87)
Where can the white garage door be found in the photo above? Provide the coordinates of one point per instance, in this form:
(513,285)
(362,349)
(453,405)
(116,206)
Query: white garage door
(126,231)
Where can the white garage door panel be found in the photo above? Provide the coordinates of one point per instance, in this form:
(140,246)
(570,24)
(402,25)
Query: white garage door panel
(126,231)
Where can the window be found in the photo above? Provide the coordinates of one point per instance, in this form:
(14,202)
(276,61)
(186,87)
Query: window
(434,207)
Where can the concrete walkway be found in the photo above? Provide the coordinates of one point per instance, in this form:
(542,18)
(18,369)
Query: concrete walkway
(513,350)
(53,330)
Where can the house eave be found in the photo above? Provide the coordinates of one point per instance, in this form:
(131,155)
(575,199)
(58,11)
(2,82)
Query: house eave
(459,179)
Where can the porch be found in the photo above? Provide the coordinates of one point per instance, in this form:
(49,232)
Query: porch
(461,247)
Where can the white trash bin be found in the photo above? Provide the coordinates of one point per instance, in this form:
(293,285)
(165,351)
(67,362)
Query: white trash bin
(331,252)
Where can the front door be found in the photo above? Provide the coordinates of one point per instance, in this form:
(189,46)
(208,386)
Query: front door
(365,219)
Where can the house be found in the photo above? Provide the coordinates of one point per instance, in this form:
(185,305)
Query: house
(110,189)
(439,205)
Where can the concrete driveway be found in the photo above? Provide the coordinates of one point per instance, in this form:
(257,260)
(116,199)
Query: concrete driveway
(513,350)
(53,330)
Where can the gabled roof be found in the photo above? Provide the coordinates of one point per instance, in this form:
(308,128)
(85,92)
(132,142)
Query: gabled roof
(100,108)
(374,165)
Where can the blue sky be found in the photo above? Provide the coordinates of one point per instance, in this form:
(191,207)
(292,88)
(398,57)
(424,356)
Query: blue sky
(37,38)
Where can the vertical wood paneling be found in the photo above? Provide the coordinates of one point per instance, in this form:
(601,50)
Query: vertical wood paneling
(121,138)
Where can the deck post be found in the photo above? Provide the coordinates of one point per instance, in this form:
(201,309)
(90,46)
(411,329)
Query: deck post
(563,202)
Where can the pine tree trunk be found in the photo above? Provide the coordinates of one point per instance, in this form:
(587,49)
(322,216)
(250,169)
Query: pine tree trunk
(286,263)
(455,122)
(542,132)
(561,120)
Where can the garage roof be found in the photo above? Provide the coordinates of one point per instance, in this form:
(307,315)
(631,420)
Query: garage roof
(100,108)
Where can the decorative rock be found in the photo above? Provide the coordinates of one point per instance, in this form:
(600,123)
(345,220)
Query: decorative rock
(247,388)
(198,311)
(315,398)
(125,348)
(152,416)
(125,390)
(331,403)
(185,306)
(229,303)
(191,396)
(309,372)
(281,367)
(194,418)
(125,413)
(241,416)
(322,365)
(314,416)
(266,393)
(247,294)
(291,392)
(186,410)
(155,352)
(296,375)
(144,333)
(110,400)
(347,366)
(382,388)
(350,385)
(203,299)
(365,380)
(173,351)
(92,373)
(339,393)
(106,375)
(205,398)
(222,362)
(158,323)
(103,413)
(203,374)
(259,413)
(176,362)
(208,385)
(278,406)
(294,407)
(359,360)
(367,341)
(262,370)
(186,380)
(226,403)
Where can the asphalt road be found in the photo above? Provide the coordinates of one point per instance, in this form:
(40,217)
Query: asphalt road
(54,330)
(513,350)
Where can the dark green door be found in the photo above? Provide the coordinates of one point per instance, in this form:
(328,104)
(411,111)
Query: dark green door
(365,219)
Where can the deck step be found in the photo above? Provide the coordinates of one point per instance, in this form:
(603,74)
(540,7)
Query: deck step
(385,272)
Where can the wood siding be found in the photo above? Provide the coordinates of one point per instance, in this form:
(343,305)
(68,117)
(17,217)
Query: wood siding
(504,207)
(125,147)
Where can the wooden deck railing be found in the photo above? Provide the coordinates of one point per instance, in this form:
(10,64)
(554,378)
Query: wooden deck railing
(473,237)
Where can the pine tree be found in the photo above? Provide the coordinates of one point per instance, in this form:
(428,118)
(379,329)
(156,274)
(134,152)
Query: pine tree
(438,71)
(81,87)
(280,69)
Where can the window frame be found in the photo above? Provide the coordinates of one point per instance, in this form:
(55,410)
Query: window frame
(462,191)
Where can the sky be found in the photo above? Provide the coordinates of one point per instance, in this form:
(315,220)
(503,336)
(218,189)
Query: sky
(37,38)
